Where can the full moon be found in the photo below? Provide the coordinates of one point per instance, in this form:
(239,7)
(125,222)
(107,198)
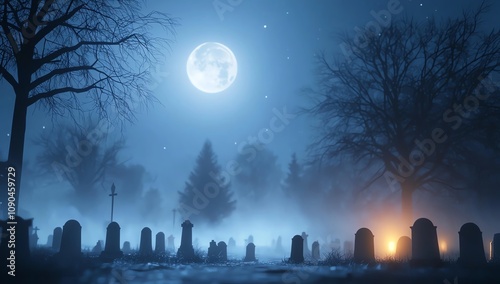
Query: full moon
(212,67)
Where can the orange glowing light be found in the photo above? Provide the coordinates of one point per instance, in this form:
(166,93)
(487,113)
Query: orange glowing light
(391,246)
(443,246)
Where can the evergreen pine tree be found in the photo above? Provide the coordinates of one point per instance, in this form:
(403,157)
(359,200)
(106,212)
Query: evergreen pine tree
(206,197)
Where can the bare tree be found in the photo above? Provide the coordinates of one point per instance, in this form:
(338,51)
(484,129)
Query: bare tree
(72,157)
(411,101)
(77,53)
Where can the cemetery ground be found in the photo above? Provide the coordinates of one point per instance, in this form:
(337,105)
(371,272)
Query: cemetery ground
(132,268)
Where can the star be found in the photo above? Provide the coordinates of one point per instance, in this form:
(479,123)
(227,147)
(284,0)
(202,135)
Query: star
(164,148)
(265,26)
(43,127)
(265,97)
(421,4)
(8,134)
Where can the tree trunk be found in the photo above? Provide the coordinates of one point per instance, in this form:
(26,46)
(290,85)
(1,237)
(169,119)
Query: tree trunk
(407,189)
(16,150)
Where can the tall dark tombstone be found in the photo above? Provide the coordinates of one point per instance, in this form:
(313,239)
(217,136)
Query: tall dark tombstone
(160,243)
(56,241)
(50,239)
(186,250)
(126,247)
(146,245)
(33,237)
(20,233)
(306,252)
(112,246)
(315,251)
(222,248)
(71,241)
(364,249)
(250,253)
(297,251)
(170,243)
(471,246)
(424,244)
(403,249)
(495,248)
(348,249)
(213,252)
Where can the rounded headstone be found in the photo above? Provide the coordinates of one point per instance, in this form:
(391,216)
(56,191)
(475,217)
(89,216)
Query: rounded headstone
(424,243)
(364,249)
(146,246)
(297,251)
(471,245)
(403,248)
(71,240)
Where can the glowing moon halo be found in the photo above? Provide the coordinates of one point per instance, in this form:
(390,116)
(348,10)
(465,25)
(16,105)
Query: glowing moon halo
(212,67)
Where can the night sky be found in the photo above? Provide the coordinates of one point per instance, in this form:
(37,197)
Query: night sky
(275,44)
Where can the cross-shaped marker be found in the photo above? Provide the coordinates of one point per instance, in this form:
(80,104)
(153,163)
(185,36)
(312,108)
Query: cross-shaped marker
(113,194)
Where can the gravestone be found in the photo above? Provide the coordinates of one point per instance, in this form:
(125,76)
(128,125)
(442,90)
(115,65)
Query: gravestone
(249,240)
(146,246)
(126,247)
(279,246)
(19,232)
(250,252)
(170,243)
(364,249)
(112,246)
(56,241)
(297,251)
(33,239)
(213,252)
(495,249)
(97,249)
(160,243)
(305,246)
(231,244)
(424,244)
(71,241)
(471,246)
(315,250)
(348,249)
(403,249)
(186,250)
(222,248)
(50,239)
(336,245)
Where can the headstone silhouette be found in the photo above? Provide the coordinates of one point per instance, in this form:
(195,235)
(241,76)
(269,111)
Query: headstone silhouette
(424,244)
(336,244)
(315,251)
(364,249)
(250,252)
(97,249)
(495,248)
(279,246)
(112,246)
(186,250)
(71,241)
(33,239)
(170,243)
(50,239)
(306,251)
(160,243)
(213,252)
(146,246)
(56,241)
(20,231)
(403,249)
(297,251)
(126,247)
(348,249)
(471,246)
(231,244)
(222,247)
(249,240)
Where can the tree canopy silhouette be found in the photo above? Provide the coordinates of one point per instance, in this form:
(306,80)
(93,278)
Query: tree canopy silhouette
(81,55)
(410,101)
(206,196)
